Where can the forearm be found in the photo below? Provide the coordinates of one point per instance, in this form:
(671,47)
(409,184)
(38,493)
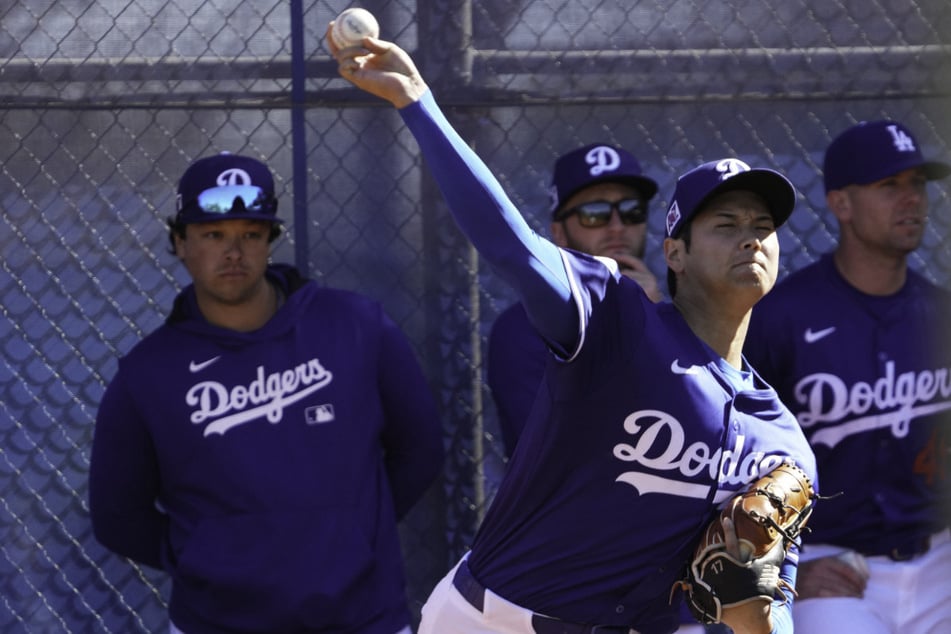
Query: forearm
(124,518)
(531,264)
(124,481)
(138,536)
(477,201)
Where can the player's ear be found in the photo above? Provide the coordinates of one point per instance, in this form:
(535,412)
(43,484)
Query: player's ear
(558,233)
(179,245)
(674,249)
(839,204)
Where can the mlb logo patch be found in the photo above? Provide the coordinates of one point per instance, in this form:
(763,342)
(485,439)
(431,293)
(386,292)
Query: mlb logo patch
(319,414)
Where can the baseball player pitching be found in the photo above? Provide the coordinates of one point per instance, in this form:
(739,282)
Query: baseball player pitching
(648,418)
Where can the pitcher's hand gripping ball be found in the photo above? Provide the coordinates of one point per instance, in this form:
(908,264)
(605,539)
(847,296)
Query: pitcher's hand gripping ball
(767,517)
(352,25)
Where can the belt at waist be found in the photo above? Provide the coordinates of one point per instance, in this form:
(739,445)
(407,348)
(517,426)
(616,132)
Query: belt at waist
(474,592)
(912,548)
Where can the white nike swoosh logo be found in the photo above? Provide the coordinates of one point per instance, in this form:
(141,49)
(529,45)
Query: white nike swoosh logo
(198,367)
(676,368)
(813,336)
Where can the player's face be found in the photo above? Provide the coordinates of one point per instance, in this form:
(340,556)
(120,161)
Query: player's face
(609,240)
(226,259)
(734,250)
(886,216)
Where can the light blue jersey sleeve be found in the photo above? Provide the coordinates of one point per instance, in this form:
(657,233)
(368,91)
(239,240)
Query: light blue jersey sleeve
(531,264)
(781,610)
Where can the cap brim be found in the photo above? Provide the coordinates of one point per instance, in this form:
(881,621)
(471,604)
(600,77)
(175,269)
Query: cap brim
(643,184)
(191,219)
(775,188)
(933,170)
(936,170)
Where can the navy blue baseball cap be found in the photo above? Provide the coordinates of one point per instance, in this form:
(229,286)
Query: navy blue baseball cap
(700,184)
(872,150)
(226,187)
(596,163)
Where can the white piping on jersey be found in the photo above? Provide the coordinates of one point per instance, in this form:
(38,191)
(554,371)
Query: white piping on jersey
(676,368)
(576,295)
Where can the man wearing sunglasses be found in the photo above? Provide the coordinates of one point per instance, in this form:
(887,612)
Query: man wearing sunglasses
(262,444)
(599,201)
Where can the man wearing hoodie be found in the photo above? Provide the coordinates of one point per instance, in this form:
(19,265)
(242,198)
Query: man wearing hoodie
(263,443)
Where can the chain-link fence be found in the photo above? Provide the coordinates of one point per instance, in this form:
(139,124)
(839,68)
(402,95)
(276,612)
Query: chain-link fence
(105,103)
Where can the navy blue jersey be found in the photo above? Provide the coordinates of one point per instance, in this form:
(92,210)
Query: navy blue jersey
(637,436)
(266,471)
(869,379)
(515,366)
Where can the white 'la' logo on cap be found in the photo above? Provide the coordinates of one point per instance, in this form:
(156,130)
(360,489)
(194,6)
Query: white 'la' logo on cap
(602,159)
(731,167)
(903,142)
(233,176)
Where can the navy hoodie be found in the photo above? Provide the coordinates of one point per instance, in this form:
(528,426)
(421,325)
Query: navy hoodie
(266,471)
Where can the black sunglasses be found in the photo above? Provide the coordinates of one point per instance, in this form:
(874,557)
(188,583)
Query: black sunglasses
(597,213)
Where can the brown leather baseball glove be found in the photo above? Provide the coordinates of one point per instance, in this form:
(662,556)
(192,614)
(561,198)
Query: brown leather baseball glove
(767,518)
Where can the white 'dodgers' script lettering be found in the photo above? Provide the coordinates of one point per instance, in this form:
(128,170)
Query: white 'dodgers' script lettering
(266,396)
(728,467)
(899,399)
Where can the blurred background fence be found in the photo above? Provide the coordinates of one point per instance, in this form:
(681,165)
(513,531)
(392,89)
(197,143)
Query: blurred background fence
(103,104)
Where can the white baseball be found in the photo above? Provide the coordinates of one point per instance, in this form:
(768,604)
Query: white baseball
(352,25)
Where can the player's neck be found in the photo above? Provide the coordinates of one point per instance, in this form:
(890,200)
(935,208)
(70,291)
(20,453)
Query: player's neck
(245,315)
(723,330)
(872,273)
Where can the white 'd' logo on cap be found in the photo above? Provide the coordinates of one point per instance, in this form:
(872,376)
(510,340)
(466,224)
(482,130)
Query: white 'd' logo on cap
(552,197)
(602,159)
(731,167)
(233,176)
(903,142)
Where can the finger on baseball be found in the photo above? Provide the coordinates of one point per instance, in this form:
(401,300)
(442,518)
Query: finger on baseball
(357,49)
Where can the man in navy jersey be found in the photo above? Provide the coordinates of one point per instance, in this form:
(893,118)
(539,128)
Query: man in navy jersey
(599,204)
(647,418)
(599,201)
(263,443)
(857,345)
